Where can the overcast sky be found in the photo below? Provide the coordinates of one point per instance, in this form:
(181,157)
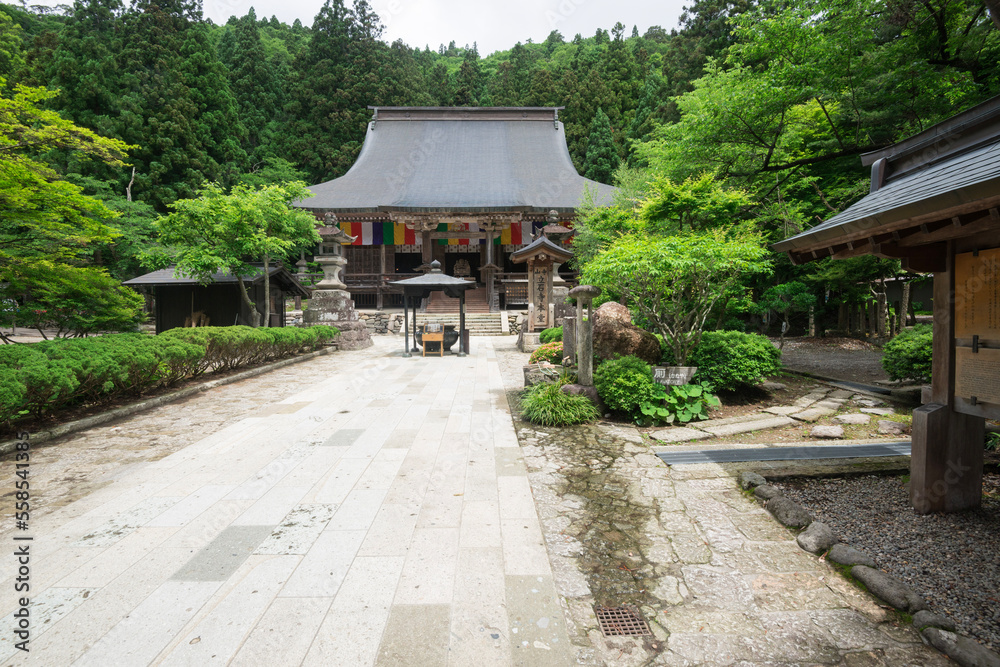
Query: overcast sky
(493,25)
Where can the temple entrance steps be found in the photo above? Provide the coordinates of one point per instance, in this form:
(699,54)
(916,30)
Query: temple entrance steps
(475,302)
(478,324)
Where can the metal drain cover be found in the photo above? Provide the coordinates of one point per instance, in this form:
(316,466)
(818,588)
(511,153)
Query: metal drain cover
(621,622)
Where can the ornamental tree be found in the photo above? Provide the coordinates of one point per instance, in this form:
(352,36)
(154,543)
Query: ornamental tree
(674,282)
(784,299)
(226,232)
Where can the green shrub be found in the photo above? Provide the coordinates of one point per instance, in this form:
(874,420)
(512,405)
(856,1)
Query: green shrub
(546,405)
(732,359)
(550,352)
(908,355)
(680,403)
(44,377)
(624,384)
(993,441)
(551,335)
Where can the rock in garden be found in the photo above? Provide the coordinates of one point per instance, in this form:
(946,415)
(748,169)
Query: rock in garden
(889,589)
(878,411)
(928,619)
(964,651)
(887,427)
(766,492)
(845,555)
(589,392)
(538,373)
(853,418)
(751,480)
(773,386)
(788,512)
(817,538)
(616,336)
(828,432)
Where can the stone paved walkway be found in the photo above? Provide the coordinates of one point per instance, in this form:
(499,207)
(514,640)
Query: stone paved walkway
(719,580)
(359,509)
(366,509)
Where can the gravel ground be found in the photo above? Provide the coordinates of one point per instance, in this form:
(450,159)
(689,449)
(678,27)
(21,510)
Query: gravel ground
(953,560)
(838,358)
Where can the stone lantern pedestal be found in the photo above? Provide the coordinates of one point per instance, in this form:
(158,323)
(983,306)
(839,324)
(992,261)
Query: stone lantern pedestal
(330,302)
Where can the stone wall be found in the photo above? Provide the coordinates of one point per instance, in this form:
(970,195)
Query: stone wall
(516,319)
(382,323)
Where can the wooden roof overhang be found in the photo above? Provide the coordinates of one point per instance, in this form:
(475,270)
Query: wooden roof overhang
(938,186)
(169,277)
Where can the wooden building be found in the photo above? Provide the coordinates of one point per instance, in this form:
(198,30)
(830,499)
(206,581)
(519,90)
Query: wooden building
(934,204)
(179,301)
(463,186)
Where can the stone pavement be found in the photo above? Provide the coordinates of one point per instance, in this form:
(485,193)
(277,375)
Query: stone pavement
(364,509)
(356,509)
(718,579)
(821,402)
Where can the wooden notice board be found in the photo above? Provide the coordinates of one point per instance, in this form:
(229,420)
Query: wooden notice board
(977,295)
(977,375)
(977,331)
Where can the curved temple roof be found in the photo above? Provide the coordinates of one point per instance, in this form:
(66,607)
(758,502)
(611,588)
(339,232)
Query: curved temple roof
(424,159)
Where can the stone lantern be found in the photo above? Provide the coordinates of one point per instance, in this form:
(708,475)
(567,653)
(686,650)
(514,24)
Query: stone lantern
(330,302)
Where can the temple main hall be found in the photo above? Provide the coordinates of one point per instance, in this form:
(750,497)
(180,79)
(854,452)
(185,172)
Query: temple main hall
(464,186)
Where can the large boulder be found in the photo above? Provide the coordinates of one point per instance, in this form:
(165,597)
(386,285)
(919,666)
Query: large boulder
(615,335)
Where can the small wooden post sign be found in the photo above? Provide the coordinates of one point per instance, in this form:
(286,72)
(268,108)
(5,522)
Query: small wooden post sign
(671,376)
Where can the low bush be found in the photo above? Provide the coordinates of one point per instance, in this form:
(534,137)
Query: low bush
(551,335)
(624,384)
(908,355)
(550,352)
(678,404)
(733,359)
(41,378)
(546,405)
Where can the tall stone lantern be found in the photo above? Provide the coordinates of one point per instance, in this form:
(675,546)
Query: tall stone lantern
(330,302)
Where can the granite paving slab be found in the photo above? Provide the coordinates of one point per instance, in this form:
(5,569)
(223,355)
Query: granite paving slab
(329,514)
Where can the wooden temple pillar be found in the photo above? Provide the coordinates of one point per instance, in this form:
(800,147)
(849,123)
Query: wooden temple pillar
(946,466)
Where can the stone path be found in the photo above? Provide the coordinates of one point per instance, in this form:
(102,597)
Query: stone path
(718,579)
(820,403)
(368,509)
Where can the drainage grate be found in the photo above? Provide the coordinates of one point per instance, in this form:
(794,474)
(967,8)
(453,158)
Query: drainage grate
(621,622)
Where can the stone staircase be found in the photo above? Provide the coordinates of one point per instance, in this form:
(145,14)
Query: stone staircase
(478,324)
(475,302)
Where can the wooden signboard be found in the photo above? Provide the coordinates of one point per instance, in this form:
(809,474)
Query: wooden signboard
(977,375)
(977,332)
(977,295)
(540,278)
(673,375)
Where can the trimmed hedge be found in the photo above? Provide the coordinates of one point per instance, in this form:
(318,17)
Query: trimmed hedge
(733,359)
(551,335)
(41,378)
(624,384)
(908,355)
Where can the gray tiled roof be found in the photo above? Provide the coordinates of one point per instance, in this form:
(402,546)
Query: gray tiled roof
(962,179)
(168,276)
(424,164)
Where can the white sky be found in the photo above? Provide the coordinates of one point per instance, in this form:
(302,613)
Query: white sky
(493,25)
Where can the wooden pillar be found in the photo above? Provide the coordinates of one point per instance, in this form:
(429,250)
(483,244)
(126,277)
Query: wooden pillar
(378,283)
(946,463)
(426,249)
